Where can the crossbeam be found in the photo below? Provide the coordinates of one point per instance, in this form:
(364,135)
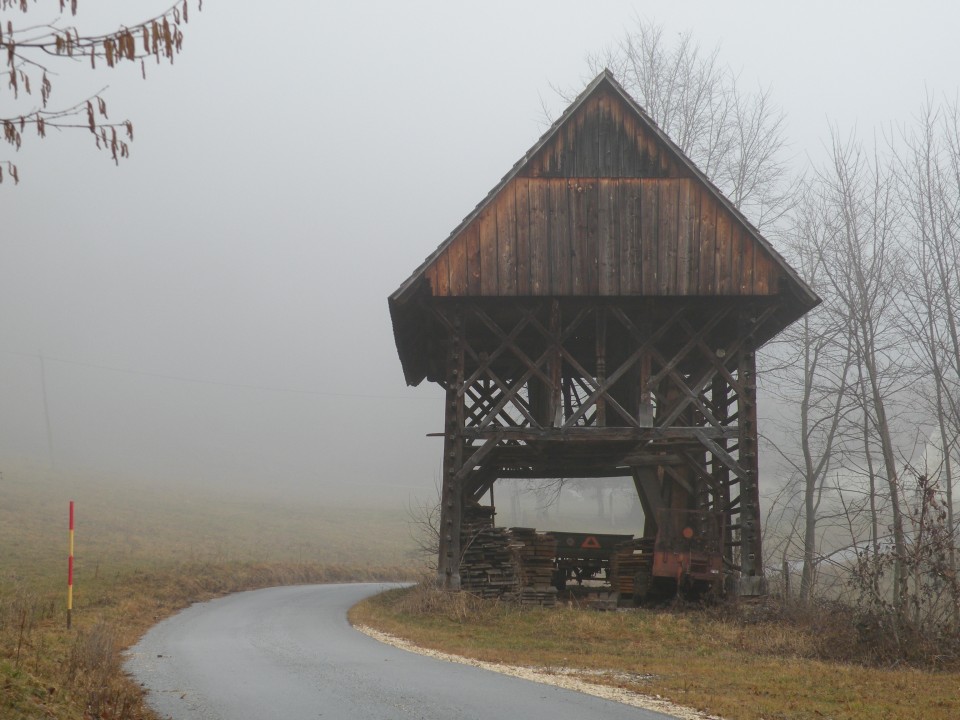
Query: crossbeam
(663,392)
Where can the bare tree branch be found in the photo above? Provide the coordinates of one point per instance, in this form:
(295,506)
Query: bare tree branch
(30,52)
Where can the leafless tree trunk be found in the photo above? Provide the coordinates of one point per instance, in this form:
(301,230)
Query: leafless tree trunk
(861,263)
(868,465)
(813,379)
(424,523)
(928,167)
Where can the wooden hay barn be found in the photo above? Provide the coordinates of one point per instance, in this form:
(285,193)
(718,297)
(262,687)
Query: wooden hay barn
(597,315)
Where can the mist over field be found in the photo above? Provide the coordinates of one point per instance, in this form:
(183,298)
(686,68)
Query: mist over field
(207,323)
(123,526)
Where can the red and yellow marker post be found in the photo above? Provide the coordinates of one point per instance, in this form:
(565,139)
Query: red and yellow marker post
(70,571)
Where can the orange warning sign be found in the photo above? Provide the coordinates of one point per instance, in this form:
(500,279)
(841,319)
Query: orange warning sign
(590,543)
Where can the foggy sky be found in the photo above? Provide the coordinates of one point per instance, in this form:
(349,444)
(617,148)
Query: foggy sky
(214,310)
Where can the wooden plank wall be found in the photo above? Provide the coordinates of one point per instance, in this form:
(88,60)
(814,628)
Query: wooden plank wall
(603,237)
(604,139)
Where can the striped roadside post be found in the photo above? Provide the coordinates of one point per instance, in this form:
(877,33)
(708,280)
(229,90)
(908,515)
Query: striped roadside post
(70,571)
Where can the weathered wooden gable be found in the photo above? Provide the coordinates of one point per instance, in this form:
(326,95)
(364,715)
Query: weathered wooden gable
(603,207)
(603,137)
(603,237)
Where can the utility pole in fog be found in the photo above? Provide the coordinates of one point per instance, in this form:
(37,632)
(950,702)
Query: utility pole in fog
(46,408)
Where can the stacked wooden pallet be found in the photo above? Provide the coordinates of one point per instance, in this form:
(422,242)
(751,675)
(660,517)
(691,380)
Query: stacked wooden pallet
(627,561)
(475,518)
(516,564)
(487,568)
(535,554)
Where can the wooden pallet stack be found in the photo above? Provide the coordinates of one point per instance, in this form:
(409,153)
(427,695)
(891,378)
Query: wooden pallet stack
(475,519)
(515,565)
(535,554)
(488,568)
(625,563)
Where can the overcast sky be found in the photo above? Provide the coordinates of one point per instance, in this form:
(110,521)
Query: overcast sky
(214,310)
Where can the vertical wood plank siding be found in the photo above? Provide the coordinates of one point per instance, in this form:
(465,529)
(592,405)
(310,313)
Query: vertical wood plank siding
(488,252)
(630,214)
(603,209)
(558,231)
(523,236)
(708,244)
(507,242)
(683,239)
(471,234)
(602,140)
(578,237)
(457,265)
(539,250)
(667,228)
(608,148)
(443,275)
(649,269)
(721,268)
(747,252)
(608,238)
(603,237)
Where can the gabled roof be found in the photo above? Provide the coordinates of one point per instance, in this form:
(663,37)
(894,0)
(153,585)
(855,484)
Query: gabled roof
(606,80)
(604,204)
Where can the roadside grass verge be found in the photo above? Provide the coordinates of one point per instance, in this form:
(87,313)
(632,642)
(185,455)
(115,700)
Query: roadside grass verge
(142,553)
(47,671)
(740,662)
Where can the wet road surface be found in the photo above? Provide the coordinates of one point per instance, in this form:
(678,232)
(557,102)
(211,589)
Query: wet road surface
(290,653)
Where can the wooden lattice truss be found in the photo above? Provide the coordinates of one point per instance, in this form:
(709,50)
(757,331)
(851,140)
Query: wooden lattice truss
(660,390)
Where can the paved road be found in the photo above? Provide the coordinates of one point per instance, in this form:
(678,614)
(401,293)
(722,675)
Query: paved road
(290,653)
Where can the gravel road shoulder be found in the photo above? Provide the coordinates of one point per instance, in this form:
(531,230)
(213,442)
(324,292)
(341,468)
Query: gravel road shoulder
(568,678)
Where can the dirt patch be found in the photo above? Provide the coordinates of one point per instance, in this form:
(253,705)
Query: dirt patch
(565,677)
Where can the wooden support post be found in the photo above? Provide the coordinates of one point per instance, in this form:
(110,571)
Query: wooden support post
(721,475)
(451,500)
(751,558)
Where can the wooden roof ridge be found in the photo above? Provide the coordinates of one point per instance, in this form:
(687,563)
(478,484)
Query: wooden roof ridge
(606,77)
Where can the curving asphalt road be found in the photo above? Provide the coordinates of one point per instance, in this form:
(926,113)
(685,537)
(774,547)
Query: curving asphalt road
(290,653)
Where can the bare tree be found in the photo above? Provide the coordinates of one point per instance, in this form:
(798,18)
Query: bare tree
(423,518)
(737,138)
(928,169)
(861,263)
(811,370)
(31,50)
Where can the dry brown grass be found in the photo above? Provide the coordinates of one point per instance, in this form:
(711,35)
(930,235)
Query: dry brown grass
(142,554)
(742,663)
(48,671)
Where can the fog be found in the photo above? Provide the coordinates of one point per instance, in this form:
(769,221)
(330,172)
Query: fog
(213,311)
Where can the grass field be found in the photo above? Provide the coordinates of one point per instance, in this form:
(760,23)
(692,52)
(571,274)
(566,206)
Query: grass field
(736,663)
(143,552)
